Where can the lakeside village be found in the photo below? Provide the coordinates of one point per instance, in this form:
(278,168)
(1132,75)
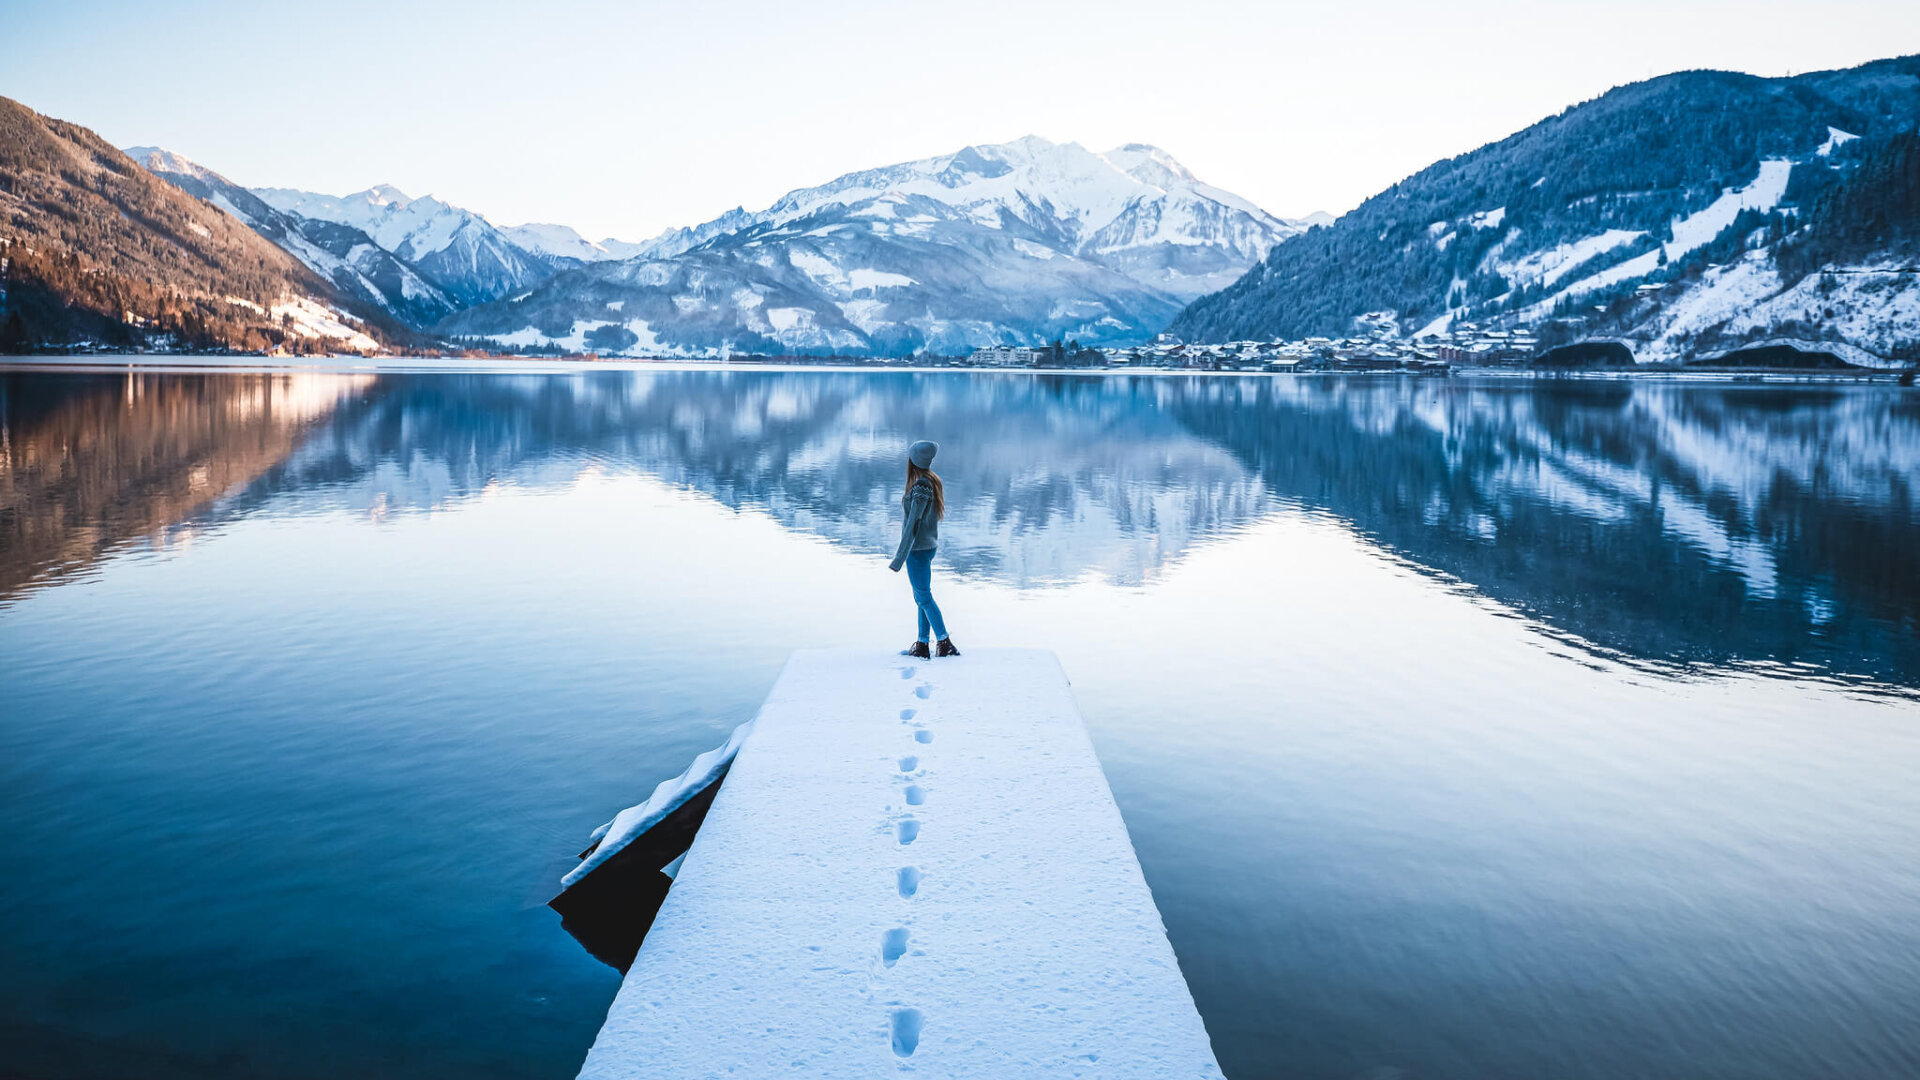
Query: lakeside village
(1380,350)
(1377,347)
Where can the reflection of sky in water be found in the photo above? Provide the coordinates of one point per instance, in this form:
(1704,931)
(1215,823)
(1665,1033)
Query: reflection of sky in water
(1366,662)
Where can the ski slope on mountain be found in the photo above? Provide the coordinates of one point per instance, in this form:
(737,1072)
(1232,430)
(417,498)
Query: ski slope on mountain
(1684,215)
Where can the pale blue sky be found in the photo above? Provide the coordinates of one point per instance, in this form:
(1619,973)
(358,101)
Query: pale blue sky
(626,118)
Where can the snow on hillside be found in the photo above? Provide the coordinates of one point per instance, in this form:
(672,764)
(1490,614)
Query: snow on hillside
(1874,308)
(309,318)
(1863,313)
(1721,294)
(1869,309)
(1835,139)
(1627,218)
(306,317)
(1686,235)
(1548,266)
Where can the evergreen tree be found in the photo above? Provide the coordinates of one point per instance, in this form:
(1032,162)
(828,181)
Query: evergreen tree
(13,335)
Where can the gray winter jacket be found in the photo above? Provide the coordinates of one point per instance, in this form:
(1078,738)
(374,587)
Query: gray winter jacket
(921,529)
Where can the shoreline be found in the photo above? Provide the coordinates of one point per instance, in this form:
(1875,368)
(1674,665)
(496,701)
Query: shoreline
(206,363)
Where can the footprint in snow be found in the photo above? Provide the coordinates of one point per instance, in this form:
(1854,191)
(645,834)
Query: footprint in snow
(915,794)
(893,945)
(906,673)
(909,763)
(923,736)
(906,1024)
(908,830)
(906,714)
(908,879)
(923,691)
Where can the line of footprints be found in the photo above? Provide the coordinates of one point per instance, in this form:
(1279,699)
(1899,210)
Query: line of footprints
(905,1023)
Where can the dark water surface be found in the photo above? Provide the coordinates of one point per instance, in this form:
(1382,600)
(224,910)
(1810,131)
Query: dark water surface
(1466,728)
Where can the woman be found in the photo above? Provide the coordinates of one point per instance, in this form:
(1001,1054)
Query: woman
(925,503)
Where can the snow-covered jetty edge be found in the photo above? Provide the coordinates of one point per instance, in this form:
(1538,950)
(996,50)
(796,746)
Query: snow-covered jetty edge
(911,866)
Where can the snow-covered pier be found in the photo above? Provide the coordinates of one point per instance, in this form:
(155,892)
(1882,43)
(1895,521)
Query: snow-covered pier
(913,866)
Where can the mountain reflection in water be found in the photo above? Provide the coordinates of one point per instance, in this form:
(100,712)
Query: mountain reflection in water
(1770,527)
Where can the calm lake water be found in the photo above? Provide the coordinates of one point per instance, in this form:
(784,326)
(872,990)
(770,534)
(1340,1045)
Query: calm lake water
(1466,728)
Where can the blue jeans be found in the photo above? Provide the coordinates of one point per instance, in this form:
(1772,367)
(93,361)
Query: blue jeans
(920,576)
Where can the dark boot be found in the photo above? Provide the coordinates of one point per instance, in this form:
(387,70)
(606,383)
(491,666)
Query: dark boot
(946,648)
(918,650)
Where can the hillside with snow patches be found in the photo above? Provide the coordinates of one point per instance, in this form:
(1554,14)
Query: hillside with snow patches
(1014,243)
(98,253)
(349,258)
(1678,215)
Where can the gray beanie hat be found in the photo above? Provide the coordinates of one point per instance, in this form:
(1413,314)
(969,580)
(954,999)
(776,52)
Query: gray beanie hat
(921,453)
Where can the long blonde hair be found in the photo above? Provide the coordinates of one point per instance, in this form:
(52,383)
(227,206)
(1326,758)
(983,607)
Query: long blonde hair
(914,473)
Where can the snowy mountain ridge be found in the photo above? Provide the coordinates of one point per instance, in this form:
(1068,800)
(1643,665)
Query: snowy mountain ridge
(340,253)
(458,250)
(1015,243)
(565,247)
(1134,196)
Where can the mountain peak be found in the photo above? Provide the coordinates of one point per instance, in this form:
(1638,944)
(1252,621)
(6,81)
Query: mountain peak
(158,159)
(386,195)
(552,241)
(1150,165)
(1024,148)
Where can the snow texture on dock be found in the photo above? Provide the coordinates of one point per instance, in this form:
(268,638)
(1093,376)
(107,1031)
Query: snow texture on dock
(913,867)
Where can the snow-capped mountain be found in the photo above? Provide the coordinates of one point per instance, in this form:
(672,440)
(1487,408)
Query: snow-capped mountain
(672,242)
(340,253)
(1133,209)
(565,248)
(1685,216)
(1015,243)
(456,249)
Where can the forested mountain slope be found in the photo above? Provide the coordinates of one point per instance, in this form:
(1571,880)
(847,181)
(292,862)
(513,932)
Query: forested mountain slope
(1680,213)
(96,249)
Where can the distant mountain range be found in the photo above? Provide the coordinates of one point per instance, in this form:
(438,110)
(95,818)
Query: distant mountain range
(1684,216)
(1010,244)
